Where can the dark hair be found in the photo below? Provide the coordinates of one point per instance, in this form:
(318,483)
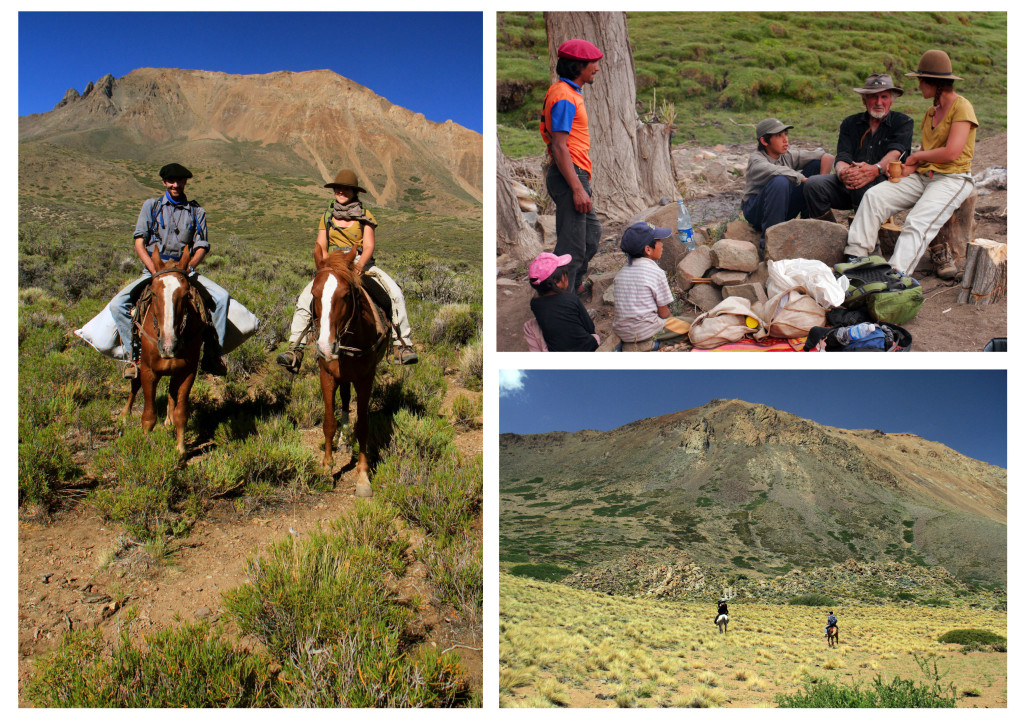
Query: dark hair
(551,283)
(569,68)
(941,85)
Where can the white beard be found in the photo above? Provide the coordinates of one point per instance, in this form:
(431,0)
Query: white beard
(878,115)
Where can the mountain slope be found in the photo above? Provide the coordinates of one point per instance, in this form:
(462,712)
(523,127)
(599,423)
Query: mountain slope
(737,486)
(305,125)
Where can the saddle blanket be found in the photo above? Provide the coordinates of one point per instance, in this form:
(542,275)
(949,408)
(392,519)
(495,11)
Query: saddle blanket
(101,331)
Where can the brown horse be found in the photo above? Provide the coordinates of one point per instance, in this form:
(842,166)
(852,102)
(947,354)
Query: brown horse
(351,338)
(170,337)
(832,635)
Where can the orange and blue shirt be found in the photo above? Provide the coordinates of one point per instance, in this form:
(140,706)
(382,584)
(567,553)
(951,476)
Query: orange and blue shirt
(564,112)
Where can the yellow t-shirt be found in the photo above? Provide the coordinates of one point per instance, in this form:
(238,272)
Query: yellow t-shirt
(338,238)
(931,138)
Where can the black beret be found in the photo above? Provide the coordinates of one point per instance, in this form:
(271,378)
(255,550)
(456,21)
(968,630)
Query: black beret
(175,170)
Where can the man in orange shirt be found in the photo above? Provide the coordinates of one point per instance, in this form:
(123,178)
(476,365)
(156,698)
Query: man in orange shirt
(565,131)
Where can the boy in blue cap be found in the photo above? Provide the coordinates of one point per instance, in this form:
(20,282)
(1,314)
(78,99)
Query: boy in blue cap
(642,293)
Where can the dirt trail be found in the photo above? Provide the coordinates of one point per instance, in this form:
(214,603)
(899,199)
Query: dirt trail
(713,184)
(63,582)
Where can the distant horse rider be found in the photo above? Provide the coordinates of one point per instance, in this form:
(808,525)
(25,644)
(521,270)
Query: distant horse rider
(832,621)
(172,225)
(723,610)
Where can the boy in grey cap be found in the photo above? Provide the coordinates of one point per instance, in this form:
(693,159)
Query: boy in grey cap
(775,177)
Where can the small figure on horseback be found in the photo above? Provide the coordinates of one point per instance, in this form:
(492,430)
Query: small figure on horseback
(722,617)
(832,630)
(174,228)
(348,226)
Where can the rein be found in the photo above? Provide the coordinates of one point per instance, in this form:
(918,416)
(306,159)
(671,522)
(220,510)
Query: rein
(180,327)
(347,330)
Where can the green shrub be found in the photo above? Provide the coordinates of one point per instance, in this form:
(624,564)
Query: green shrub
(896,694)
(306,402)
(440,497)
(44,465)
(149,480)
(811,599)
(322,605)
(465,409)
(454,324)
(471,366)
(966,636)
(540,571)
(456,570)
(185,667)
(934,602)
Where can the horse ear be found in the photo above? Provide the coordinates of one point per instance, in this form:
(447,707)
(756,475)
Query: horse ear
(158,263)
(186,257)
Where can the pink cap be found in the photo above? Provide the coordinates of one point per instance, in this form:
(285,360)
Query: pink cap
(577,49)
(545,264)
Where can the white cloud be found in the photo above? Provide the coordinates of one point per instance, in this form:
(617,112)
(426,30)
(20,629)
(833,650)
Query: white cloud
(510,382)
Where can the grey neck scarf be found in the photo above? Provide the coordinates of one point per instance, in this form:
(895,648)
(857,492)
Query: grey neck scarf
(352,211)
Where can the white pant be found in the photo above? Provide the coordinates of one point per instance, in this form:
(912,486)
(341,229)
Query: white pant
(931,201)
(399,317)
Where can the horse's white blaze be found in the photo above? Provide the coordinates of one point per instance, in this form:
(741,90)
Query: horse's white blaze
(171,285)
(324,341)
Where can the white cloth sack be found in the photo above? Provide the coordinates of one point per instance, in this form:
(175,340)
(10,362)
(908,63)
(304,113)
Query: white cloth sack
(101,332)
(811,274)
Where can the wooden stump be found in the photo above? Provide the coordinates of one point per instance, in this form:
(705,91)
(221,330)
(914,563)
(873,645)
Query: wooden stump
(956,232)
(984,279)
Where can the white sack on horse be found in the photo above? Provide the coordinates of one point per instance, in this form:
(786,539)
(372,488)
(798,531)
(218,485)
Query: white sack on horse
(101,331)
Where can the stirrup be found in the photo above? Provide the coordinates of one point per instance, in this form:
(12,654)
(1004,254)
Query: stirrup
(405,356)
(130,370)
(291,360)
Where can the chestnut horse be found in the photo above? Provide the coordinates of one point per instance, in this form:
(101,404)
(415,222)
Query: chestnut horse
(170,336)
(832,635)
(352,336)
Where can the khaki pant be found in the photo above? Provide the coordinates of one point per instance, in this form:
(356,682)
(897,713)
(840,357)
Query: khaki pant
(931,201)
(399,317)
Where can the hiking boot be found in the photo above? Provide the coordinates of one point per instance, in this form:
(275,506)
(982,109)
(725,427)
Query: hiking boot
(850,258)
(405,356)
(291,360)
(942,260)
(130,370)
(584,289)
(827,216)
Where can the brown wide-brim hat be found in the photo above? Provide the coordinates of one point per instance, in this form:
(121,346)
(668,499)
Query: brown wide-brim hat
(878,83)
(345,177)
(934,64)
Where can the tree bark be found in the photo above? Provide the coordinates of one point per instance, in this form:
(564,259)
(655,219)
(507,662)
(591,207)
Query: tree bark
(984,279)
(622,187)
(959,229)
(514,235)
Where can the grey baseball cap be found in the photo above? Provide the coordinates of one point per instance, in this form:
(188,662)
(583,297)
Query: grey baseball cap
(769,126)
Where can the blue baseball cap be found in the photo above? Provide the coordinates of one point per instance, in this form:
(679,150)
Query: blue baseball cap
(640,235)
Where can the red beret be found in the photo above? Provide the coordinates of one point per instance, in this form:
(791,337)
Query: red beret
(579,50)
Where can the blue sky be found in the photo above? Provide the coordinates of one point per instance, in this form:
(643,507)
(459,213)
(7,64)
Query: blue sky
(427,62)
(963,409)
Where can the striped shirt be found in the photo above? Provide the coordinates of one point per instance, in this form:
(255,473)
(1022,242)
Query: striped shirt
(640,288)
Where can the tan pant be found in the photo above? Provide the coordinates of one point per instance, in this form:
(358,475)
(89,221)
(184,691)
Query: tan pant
(399,317)
(931,201)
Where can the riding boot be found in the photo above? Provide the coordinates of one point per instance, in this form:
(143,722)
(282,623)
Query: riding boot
(292,359)
(212,362)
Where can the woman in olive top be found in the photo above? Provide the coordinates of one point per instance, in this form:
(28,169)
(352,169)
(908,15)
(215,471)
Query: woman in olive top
(344,225)
(934,180)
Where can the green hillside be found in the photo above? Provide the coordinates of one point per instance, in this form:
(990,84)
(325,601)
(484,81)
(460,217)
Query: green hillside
(717,74)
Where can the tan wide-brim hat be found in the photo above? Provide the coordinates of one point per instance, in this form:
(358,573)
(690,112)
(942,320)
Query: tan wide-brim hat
(345,177)
(878,83)
(934,64)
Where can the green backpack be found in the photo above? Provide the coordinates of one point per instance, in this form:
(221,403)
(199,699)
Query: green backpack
(889,295)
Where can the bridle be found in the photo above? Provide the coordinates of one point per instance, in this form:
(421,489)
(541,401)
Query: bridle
(180,327)
(347,329)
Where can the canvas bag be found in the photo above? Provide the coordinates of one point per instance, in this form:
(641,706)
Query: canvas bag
(726,322)
(791,313)
(889,295)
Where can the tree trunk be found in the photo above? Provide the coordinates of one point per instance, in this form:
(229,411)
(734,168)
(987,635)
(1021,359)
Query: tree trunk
(657,177)
(515,236)
(984,279)
(621,188)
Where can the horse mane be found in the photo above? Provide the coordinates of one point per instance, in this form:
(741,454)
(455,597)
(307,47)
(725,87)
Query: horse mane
(340,264)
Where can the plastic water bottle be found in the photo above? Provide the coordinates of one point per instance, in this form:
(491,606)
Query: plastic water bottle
(845,335)
(685,227)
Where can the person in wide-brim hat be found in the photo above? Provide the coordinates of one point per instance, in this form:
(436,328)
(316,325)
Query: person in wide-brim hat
(934,182)
(346,226)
